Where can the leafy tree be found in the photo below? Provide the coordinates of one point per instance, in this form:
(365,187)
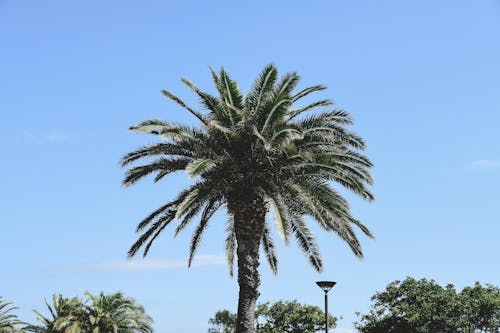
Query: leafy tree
(422,306)
(279,317)
(481,308)
(255,154)
(292,317)
(9,322)
(223,322)
(112,313)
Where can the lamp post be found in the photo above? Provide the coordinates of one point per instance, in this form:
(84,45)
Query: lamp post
(326,286)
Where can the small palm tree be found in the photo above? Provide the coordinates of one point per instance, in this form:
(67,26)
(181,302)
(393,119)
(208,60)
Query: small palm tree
(8,321)
(116,313)
(253,155)
(67,315)
(113,313)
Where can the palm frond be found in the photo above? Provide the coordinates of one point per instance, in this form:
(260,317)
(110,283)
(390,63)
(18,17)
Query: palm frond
(201,193)
(212,206)
(307,91)
(162,165)
(312,106)
(199,166)
(177,100)
(262,88)
(155,150)
(281,215)
(269,249)
(151,126)
(306,242)
(228,90)
(155,230)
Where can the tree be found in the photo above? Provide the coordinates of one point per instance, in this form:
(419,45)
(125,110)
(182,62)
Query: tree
(291,317)
(481,308)
(279,317)
(67,315)
(253,155)
(223,322)
(423,306)
(112,313)
(8,321)
(116,313)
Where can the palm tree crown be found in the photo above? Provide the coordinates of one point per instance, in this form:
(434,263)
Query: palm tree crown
(8,321)
(259,145)
(116,313)
(256,154)
(67,315)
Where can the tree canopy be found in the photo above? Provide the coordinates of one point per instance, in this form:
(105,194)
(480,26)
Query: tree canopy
(423,306)
(278,317)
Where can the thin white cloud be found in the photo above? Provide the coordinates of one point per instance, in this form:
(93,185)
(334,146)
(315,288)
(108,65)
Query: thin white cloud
(155,264)
(486,164)
(54,136)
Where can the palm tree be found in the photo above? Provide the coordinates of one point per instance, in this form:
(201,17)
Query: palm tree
(116,313)
(8,320)
(67,316)
(253,155)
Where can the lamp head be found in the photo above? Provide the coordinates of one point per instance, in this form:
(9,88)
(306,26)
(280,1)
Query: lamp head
(326,285)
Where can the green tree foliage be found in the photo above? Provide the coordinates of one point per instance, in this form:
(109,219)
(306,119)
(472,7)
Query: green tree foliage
(423,306)
(265,152)
(279,317)
(9,322)
(223,322)
(116,313)
(481,308)
(112,313)
(67,315)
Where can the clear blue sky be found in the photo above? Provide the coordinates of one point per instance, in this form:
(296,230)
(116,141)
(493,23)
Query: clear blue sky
(421,78)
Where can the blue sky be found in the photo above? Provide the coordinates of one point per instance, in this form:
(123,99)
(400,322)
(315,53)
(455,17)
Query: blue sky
(421,78)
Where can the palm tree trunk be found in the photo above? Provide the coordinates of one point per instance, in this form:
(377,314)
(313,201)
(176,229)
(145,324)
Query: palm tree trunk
(249,219)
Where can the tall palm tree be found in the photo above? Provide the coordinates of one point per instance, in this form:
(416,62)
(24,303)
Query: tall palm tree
(116,313)
(8,321)
(255,154)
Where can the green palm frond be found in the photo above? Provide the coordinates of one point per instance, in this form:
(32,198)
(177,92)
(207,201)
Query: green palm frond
(152,233)
(152,126)
(177,100)
(281,215)
(312,106)
(262,88)
(212,206)
(162,166)
(307,91)
(228,90)
(9,321)
(269,249)
(198,166)
(155,150)
(306,242)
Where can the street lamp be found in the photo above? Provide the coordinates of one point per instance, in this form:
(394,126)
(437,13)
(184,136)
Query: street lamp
(326,286)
